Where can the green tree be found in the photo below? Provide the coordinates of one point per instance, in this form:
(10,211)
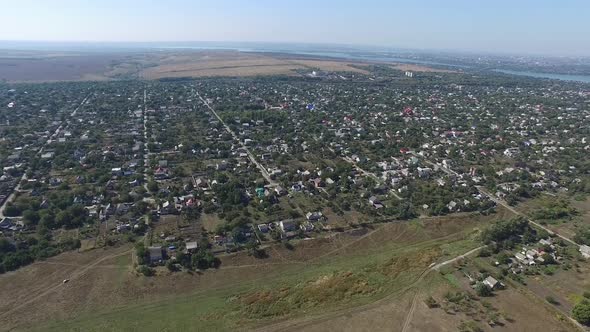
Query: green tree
(483,290)
(581,312)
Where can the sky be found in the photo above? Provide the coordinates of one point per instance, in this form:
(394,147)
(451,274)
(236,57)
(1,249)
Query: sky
(556,27)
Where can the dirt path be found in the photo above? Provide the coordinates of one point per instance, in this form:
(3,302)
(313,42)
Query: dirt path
(75,275)
(452,260)
(410,313)
(511,209)
(301,323)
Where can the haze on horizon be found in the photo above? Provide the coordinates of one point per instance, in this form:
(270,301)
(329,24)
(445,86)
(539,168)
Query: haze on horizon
(525,26)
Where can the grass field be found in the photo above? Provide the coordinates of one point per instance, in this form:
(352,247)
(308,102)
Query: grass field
(319,285)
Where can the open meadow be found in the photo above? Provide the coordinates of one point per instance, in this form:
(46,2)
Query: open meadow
(378,273)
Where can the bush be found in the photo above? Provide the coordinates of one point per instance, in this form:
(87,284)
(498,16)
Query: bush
(551,300)
(146,270)
(171,265)
(581,312)
(483,290)
(431,302)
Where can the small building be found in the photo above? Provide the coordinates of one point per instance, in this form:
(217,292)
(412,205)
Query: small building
(491,282)
(585,251)
(313,216)
(375,202)
(288,225)
(156,255)
(263,228)
(191,247)
(280,191)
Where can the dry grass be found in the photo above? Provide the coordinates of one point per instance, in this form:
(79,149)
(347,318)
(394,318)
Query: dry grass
(327,65)
(46,67)
(332,265)
(420,68)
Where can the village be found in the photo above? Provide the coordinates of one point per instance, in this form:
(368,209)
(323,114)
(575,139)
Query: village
(191,171)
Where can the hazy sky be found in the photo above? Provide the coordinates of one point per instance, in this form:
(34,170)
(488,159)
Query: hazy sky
(532,26)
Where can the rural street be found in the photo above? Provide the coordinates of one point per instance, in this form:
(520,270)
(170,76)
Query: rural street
(369,174)
(263,170)
(511,209)
(12,195)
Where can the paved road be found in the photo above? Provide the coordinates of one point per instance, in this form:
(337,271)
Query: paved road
(263,170)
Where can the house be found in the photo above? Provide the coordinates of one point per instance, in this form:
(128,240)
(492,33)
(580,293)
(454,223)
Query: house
(375,202)
(313,216)
(585,251)
(6,223)
(201,183)
(280,191)
(47,155)
(546,242)
(452,205)
(263,228)
(520,257)
(156,255)
(191,247)
(222,166)
(167,208)
(288,225)
(491,282)
(318,182)
(307,226)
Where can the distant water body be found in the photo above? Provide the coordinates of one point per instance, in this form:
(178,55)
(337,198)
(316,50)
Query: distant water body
(357,55)
(563,77)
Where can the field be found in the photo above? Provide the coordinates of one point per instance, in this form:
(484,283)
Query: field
(420,68)
(566,226)
(317,285)
(53,67)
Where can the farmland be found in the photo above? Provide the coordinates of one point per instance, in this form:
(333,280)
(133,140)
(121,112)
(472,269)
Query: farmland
(55,67)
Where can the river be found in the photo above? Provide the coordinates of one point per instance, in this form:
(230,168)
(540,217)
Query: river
(563,77)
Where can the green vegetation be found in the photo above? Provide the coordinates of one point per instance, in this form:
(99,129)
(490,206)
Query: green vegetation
(581,312)
(332,283)
(30,249)
(505,233)
(553,210)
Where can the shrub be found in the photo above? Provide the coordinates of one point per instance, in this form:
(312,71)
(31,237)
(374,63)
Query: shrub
(581,312)
(431,302)
(483,290)
(551,300)
(146,270)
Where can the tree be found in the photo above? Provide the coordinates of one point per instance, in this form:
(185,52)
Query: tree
(171,265)
(143,255)
(11,210)
(152,186)
(146,270)
(581,312)
(483,290)
(31,217)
